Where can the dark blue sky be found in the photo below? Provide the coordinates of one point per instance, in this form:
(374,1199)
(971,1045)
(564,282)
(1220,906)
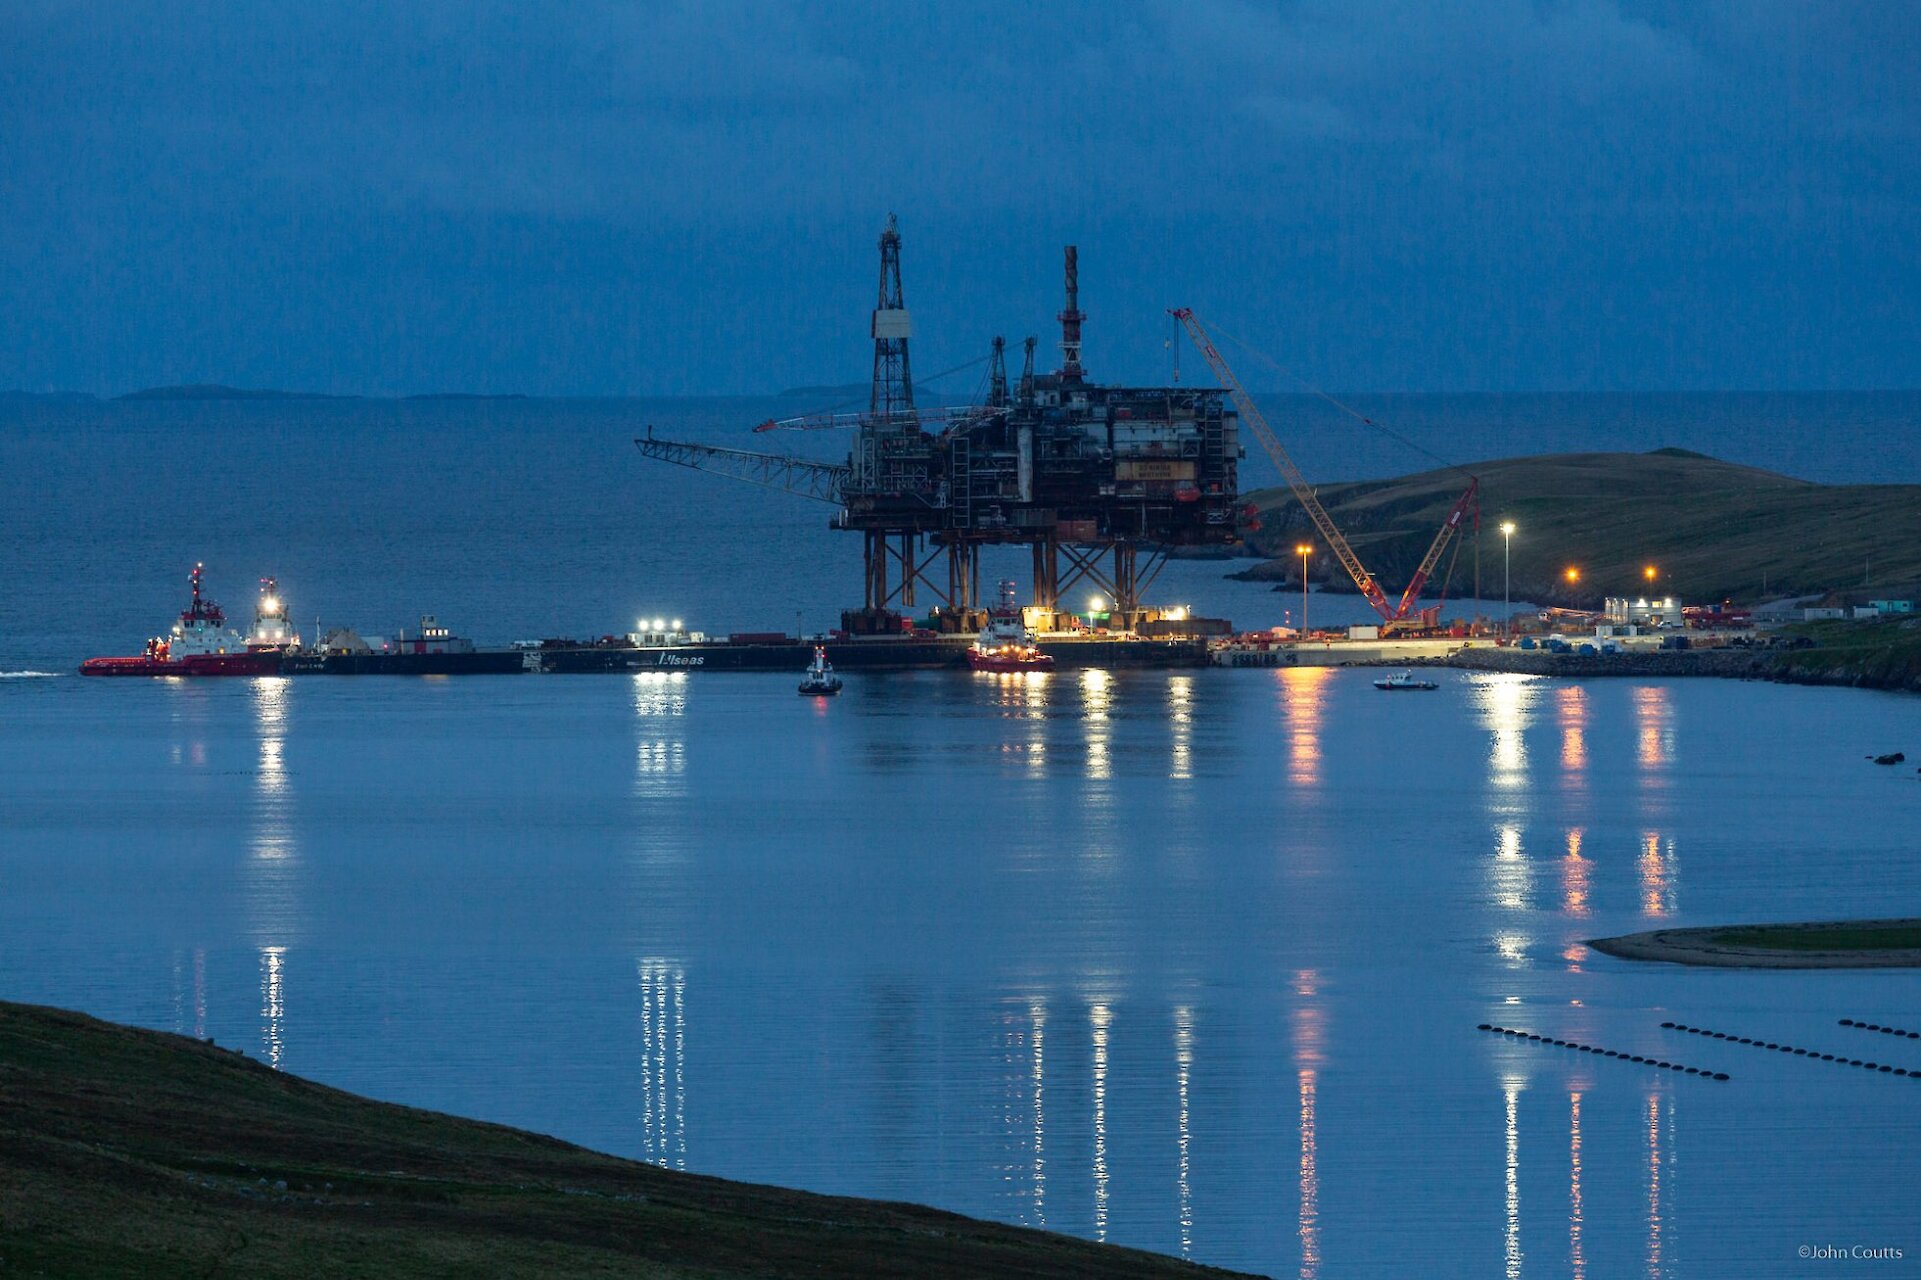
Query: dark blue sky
(630,198)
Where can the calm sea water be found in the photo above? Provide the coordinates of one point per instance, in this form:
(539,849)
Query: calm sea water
(1189,960)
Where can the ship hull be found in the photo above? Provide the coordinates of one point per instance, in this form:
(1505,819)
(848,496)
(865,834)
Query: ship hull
(231,664)
(197,666)
(997,662)
(130,667)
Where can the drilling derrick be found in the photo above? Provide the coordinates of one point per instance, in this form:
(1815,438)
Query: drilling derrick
(896,493)
(893,393)
(1070,318)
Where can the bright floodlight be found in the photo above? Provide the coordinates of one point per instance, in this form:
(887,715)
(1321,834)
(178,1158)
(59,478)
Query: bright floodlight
(269,604)
(1648,573)
(1302,549)
(1094,604)
(1507,527)
(660,624)
(676,624)
(1573,574)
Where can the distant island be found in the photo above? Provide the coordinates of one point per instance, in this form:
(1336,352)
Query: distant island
(50,397)
(464,395)
(215,391)
(219,391)
(833,391)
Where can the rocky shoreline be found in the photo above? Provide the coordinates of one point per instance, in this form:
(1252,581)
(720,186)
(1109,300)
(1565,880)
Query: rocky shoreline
(1781,667)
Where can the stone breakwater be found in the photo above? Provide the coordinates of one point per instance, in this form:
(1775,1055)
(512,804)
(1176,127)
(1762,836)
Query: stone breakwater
(1803,666)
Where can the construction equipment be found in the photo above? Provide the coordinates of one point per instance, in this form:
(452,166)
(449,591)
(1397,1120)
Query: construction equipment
(1399,617)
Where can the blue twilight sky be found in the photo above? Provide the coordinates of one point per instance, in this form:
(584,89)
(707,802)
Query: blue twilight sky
(630,198)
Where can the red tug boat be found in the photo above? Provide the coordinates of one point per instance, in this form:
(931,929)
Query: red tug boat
(202,644)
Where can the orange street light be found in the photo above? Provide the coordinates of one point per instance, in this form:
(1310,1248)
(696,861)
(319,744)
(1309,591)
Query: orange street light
(1648,573)
(1573,574)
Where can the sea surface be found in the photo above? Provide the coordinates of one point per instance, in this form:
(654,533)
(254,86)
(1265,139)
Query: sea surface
(1192,961)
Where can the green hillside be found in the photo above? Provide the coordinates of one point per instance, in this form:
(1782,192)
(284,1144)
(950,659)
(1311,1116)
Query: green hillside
(135,1153)
(1713,530)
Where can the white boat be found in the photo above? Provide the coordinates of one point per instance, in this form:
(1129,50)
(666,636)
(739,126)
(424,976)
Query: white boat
(820,680)
(1401,680)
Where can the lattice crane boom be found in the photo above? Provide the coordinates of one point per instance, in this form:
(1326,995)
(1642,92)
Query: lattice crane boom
(821,481)
(1449,527)
(1303,492)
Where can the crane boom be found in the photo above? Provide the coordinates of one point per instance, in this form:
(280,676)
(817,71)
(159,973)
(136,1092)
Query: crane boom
(1296,482)
(1449,527)
(821,481)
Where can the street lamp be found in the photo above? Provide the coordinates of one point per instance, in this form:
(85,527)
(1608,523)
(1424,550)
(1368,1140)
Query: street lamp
(1303,550)
(1507,600)
(1573,574)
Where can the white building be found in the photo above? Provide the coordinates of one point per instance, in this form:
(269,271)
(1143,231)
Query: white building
(1641,611)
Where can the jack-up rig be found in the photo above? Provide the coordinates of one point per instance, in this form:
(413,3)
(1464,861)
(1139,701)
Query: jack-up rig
(1099,482)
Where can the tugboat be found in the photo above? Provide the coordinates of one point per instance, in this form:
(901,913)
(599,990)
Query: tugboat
(200,643)
(820,680)
(1006,643)
(1403,680)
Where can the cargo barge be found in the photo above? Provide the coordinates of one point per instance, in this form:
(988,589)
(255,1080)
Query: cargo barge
(200,645)
(788,654)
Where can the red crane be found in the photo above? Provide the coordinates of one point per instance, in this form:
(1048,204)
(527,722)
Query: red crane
(1393,616)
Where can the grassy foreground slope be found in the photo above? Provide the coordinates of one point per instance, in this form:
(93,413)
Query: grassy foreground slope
(134,1153)
(1715,530)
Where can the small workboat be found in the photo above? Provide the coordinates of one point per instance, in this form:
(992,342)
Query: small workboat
(1403,680)
(820,680)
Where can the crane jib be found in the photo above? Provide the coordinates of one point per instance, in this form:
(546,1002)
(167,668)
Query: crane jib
(1305,495)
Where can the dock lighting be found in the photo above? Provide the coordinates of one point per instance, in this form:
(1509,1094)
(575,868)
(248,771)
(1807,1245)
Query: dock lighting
(1303,550)
(1507,599)
(1648,573)
(1573,574)
(676,624)
(660,624)
(1095,604)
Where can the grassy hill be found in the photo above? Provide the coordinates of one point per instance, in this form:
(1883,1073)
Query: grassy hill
(1713,529)
(135,1153)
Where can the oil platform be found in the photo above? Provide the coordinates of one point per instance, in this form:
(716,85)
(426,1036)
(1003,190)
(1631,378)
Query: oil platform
(1098,481)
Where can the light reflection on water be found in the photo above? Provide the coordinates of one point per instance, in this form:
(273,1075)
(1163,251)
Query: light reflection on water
(1100,1018)
(1303,698)
(1309,1041)
(1183,1071)
(663,1045)
(1511,1236)
(493,899)
(1577,1259)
